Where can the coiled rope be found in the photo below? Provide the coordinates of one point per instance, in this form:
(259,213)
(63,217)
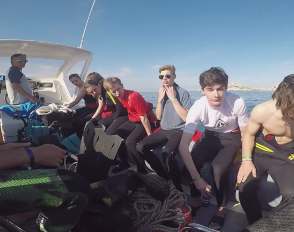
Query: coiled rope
(150,214)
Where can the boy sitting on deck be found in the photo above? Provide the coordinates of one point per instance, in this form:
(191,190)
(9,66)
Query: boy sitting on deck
(172,108)
(224,116)
(268,147)
(140,121)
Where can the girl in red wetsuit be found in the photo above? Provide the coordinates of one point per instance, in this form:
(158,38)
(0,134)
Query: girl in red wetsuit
(141,120)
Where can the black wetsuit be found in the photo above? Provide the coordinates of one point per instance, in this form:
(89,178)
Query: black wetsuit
(221,149)
(278,163)
(120,111)
(90,107)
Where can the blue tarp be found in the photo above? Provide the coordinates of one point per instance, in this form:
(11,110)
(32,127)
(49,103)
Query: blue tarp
(27,110)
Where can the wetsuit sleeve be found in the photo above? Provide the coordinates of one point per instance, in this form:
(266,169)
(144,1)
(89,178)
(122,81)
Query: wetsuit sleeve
(104,94)
(186,101)
(241,112)
(119,109)
(137,102)
(14,75)
(192,119)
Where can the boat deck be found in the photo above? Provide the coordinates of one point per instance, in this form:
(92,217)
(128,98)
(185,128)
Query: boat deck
(235,216)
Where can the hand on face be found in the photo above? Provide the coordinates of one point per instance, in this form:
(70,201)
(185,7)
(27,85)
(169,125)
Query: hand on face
(170,92)
(161,94)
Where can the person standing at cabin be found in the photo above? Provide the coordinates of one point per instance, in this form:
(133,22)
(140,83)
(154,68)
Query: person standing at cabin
(139,123)
(90,101)
(172,108)
(268,147)
(224,116)
(17,85)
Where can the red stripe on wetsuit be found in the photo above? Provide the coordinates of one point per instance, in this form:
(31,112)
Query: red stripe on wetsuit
(270,137)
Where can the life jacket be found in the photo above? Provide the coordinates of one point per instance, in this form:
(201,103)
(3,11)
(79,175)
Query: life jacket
(108,110)
(111,97)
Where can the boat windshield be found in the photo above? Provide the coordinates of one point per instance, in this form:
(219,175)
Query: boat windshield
(36,67)
(77,68)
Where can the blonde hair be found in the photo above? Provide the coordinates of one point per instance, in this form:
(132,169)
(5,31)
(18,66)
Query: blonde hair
(94,76)
(111,81)
(168,67)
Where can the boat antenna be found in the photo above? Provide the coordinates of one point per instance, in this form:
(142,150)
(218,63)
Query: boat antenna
(82,41)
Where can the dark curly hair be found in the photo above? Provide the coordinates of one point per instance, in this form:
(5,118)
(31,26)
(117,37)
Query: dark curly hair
(213,75)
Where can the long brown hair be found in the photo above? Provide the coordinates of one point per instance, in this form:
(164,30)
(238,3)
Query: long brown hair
(95,77)
(91,83)
(284,96)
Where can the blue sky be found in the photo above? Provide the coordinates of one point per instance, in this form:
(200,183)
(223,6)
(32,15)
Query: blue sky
(252,40)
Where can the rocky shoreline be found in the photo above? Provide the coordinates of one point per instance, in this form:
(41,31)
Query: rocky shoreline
(238,87)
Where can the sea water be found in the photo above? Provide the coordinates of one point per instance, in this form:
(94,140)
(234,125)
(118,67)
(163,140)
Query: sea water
(252,98)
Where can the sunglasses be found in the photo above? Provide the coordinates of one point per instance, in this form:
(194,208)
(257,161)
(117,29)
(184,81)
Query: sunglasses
(20,61)
(162,76)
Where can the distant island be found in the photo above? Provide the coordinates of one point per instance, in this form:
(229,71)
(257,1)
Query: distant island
(238,87)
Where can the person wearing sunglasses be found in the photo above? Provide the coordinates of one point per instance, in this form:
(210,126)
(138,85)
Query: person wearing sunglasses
(18,88)
(172,108)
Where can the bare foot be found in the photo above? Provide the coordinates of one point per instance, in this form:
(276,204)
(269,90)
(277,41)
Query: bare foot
(21,218)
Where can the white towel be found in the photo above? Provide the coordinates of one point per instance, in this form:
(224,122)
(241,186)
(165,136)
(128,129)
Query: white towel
(45,110)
